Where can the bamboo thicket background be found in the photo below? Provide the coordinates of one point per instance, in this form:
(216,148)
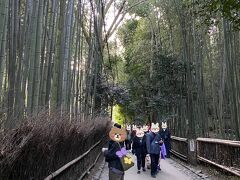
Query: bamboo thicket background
(180,61)
(51,57)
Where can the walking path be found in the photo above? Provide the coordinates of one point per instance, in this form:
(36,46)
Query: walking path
(171,170)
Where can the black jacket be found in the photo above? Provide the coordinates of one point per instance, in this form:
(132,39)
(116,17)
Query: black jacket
(111,157)
(139,147)
(165,135)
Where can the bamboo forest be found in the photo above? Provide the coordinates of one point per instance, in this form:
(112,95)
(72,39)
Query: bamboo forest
(69,69)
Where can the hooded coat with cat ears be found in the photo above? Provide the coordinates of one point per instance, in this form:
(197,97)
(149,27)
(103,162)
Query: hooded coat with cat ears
(128,128)
(134,127)
(155,127)
(139,132)
(164,125)
(145,128)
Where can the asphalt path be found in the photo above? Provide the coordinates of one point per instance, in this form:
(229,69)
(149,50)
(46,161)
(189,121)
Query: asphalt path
(170,171)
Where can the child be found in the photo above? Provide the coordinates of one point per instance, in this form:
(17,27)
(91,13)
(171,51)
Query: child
(140,149)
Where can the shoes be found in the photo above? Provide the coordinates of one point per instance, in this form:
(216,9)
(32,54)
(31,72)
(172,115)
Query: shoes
(138,172)
(158,168)
(153,176)
(144,169)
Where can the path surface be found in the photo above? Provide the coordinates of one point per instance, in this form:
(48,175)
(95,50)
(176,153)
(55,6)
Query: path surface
(171,170)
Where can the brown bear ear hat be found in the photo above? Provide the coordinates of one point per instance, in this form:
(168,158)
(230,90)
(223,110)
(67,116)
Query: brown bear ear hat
(117,134)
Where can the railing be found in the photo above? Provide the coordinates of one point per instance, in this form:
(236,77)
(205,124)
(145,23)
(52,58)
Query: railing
(179,147)
(79,167)
(224,154)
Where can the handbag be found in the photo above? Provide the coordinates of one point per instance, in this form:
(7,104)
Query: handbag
(125,158)
(148,161)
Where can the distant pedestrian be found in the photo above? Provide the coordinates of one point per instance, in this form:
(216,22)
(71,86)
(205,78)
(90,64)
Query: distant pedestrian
(166,137)
(128,141)
(133,132)
(139,148)
(153,147)
(145,129)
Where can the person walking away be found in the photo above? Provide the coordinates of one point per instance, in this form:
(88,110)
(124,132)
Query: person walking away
(117,136)
(139,148)
(166,137)
(153,140)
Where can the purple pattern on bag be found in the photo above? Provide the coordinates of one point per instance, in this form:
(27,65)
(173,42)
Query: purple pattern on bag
(122,152)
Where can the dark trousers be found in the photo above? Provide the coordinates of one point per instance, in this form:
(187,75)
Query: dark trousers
(140,161)
(154,163)
(128,144)
(115,176)
(168,148)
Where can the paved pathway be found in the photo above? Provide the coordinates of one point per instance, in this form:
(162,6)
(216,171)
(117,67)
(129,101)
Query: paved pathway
(171,170)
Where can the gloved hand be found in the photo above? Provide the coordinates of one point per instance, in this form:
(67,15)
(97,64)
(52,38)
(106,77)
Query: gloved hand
(104,149)
(161,142)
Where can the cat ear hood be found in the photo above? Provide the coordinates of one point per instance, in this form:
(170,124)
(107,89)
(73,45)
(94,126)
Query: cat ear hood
(128,127)
(134,127)
(118,134)
(164,125)
(155,127)
(145,128)
(139,132)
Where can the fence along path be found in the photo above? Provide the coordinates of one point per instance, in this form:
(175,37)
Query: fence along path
(224,154)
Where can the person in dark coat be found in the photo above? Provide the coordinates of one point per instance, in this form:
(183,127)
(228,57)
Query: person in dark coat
(145,129)
(116,171)
(139,148)
(153,141)
(133,132)
(166,137)
(128,141)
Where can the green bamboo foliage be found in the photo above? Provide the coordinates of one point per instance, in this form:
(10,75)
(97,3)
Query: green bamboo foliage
(207,55)
(50,57)
(3,37)
(211,107)
(32,56)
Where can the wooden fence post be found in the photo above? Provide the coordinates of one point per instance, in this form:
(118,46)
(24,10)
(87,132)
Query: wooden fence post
(192,151)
